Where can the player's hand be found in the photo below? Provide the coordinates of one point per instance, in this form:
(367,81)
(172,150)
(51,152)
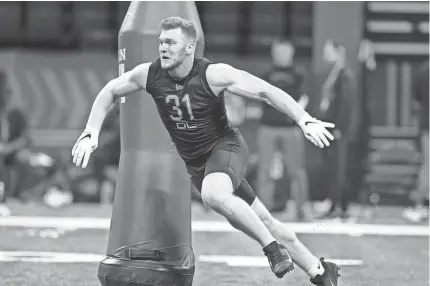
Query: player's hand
(84,146)
(316,131)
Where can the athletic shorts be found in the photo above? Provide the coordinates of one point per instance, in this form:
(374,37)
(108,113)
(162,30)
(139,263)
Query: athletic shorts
(229,156)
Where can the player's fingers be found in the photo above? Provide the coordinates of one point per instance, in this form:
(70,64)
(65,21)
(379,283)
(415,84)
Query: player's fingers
(75,154)
(318,140)
(328,134)
(307,136)
(80,157)
(314,142)
(74,148)
(323,139)
(86,159)
(327,124)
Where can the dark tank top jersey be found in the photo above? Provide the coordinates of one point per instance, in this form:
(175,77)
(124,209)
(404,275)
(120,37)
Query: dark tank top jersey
(195,118)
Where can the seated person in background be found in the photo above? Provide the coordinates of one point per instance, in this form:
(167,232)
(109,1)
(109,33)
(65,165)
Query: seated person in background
(16,157)
(12,139)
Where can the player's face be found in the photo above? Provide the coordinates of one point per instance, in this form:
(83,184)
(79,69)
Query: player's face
(172,48)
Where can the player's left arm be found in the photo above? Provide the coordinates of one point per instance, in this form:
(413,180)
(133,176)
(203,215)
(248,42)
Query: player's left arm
(225,77)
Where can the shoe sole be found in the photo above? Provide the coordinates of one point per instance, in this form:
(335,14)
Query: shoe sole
(287,267)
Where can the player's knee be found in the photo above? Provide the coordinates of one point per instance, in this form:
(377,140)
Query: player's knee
(216,188)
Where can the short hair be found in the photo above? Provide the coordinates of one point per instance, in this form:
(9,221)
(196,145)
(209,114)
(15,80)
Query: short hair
(186,26)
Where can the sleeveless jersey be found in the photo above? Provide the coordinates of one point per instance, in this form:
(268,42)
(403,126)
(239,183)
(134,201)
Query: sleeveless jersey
(192,114)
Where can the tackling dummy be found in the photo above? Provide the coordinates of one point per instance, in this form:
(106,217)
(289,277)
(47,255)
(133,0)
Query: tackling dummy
(150,232)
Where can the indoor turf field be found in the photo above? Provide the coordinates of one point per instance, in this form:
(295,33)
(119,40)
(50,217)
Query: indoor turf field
(41,246)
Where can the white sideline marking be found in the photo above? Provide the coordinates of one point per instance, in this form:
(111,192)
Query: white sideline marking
(261,261)
(222,226)
(49,257)
(64,257)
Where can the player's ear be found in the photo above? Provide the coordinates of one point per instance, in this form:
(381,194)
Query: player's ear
(190,47)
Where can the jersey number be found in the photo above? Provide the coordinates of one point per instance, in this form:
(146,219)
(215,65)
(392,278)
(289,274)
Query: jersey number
(177,104)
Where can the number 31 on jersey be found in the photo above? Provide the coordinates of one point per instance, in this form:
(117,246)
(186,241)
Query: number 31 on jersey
(178,114)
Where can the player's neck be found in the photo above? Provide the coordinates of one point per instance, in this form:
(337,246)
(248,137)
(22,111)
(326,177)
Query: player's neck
(183,69)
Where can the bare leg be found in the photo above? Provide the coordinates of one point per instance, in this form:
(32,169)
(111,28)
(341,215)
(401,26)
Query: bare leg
(301,255)
(217,193)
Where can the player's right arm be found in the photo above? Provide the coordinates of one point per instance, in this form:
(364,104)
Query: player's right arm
(127,83)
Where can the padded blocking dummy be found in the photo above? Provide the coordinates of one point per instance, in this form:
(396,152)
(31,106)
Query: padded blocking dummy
(150,233)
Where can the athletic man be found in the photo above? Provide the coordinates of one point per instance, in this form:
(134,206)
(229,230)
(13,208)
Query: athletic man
(188,92)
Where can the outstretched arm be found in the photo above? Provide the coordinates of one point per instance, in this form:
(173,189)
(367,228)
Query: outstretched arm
(225,77)
(244,84)
(123,85)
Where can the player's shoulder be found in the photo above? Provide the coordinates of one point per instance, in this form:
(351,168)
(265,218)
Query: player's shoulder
(154,66)
(153,71)
(219,73)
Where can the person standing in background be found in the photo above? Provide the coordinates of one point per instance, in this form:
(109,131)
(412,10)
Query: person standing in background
(421,92)
(338,104)
(276,127)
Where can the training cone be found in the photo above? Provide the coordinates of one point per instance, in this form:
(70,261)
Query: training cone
(150,232)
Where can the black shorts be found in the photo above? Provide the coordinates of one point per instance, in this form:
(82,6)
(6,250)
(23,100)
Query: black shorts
(229,156)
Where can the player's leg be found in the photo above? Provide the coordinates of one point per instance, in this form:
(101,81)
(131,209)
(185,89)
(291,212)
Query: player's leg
(224,171)
(321,272)
(218,194)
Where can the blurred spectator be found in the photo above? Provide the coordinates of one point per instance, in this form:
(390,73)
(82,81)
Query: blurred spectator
(338,105)
(421,92)
(5,138)
(277,128)
(25,174)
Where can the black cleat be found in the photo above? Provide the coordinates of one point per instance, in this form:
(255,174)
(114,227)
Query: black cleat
(330,275)
(280,260)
